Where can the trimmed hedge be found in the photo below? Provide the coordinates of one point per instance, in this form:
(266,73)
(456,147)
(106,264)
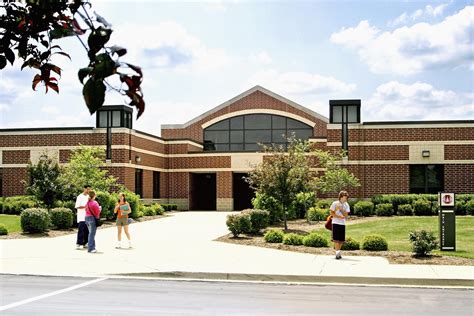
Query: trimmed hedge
(259,220)
(16,204)
(364,208)
(405,210)
(422,207)
(170,207)
(323,204)
(148,210)
(3,230)
(35,220)
(61,218)
(238,224)
(384,209)
(470,207)
(374,242)
(317,214)
(350,244)
(274,236)
(315,240)
(293,239)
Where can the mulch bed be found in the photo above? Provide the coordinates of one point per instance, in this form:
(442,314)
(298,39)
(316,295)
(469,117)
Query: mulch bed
(302,227)
(61,232)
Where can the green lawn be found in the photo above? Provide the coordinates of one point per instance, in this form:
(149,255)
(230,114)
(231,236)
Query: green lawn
(12,222)
(396,230)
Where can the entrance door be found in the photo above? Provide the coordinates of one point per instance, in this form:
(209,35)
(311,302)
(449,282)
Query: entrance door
(242,192)
(203,191)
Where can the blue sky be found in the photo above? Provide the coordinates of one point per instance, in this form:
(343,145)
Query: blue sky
(406,60)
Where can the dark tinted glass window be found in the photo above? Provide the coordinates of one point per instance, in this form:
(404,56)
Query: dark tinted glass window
(258,121)
(426,178)
(237,122)
(246,132)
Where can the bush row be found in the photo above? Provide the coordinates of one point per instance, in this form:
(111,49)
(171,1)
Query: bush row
(154,209)
(371,242)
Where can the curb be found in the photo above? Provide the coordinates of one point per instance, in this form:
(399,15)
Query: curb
(307,279)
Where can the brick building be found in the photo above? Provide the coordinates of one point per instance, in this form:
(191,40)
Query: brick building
(200,164)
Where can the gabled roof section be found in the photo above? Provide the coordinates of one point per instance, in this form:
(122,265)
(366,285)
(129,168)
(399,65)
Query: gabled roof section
(241,96)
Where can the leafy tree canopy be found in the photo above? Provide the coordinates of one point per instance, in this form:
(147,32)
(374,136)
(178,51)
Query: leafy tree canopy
(32,28)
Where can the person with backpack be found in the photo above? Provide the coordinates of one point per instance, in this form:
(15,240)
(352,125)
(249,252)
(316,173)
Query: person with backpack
(340,209)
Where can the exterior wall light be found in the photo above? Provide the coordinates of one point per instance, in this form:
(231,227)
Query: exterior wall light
(425,153)
(138,159)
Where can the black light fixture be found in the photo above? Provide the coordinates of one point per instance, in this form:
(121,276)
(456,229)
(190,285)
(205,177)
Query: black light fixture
(425,153)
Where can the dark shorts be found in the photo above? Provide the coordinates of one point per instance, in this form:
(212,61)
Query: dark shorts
(338,233)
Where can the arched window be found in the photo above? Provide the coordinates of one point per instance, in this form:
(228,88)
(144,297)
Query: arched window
(245,132)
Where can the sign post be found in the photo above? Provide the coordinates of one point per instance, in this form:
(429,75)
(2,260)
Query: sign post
(447,222)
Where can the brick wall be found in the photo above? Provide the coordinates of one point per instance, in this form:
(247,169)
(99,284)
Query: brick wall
(12,181)
(459,178)
(378,152)
(16,156)
(224,184)
(459,152)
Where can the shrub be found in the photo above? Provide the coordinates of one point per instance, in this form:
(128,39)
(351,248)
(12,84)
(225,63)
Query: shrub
(3,229)
(384,209)
(268,203)
(16,204)
(35,220)
(61,218)
(293,239)
(159,210)
(350,244)
(324,204)
(364,208)
(422,242)
(317,214)
(460,207)
(470,207)
(258,219)
(169,207)
(422,207)
(238,224)
(465,197)
(374,242)
(274,236)
(149,211)
(135,204)
(315,240)
(405,210)
(107,201)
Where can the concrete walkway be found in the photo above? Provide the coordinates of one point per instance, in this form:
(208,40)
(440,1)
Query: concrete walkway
(182,245)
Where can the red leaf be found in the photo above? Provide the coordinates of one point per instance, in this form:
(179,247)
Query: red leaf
(77,27)
(136,68)
(37,79)
(53,86)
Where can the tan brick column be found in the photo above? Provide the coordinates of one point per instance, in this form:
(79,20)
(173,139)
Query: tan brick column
(224,202)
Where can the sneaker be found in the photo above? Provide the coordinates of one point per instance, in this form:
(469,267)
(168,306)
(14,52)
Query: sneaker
(85,246)
(129,244)
(338,256)
(118,246)
(93,251)
(78,246)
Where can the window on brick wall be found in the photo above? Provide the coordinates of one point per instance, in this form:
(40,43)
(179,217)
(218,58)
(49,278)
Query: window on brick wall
(156,185)
(139,182)
(245,132)
(426,178)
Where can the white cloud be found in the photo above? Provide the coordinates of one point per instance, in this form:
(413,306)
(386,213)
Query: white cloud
(428,12)
(261,58)
(395,101)
(410,50)
(50,109)
(299,83)
(168,45)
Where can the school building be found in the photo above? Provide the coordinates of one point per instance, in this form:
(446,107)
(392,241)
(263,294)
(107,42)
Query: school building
(199,165)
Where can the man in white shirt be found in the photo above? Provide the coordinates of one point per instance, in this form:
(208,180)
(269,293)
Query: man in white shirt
(340,209)
(82,231)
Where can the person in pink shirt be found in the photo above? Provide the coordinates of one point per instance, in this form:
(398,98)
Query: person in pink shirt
(92,214)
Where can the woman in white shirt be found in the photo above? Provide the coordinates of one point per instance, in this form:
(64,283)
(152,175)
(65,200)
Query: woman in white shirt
(339,211)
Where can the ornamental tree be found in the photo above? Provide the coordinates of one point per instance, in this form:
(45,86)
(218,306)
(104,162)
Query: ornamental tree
(29,31)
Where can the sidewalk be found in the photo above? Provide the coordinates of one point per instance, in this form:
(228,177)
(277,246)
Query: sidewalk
(182,246)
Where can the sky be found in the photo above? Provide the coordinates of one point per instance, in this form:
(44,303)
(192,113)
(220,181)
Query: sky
(405,60)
